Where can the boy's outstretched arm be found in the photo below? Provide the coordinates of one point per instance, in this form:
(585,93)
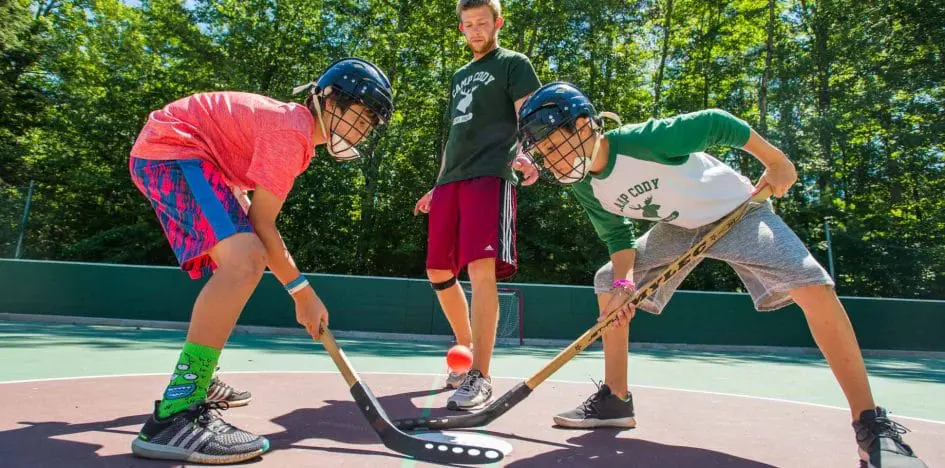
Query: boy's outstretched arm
(779,174)
(309,309)
(617,234)
(623,270)
(262,214)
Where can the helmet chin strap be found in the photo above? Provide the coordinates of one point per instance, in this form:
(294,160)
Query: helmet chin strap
(594,151)
(579,172)
(599,138)
(321,120)
(318,107)
(611,116)
(332,139)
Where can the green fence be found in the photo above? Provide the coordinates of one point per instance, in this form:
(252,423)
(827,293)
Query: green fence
(395,305)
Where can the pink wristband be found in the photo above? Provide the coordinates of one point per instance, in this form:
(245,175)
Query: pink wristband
(624,284)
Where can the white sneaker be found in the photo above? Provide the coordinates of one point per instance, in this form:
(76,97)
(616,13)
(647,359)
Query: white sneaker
(454,380)
(474,393)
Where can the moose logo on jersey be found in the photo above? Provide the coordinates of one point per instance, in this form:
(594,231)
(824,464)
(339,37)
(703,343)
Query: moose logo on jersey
(650,210)
(466,90)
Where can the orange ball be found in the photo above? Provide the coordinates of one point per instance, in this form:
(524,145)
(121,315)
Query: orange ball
(459,358)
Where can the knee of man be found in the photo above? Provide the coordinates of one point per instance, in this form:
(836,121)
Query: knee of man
(441,280)
(439,276)
(482,270)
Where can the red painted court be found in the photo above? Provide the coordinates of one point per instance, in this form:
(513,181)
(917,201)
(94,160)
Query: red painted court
(311,420)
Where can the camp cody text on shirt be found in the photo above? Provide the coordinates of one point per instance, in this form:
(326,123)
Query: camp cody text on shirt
(483,125)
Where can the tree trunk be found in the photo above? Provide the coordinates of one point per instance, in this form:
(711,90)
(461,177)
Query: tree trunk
(708,41)
(664,51)
(592,42)
(844,188)
(763,91)
(46,8)
(893,166)
(821,30)
(370,166)
(608,64)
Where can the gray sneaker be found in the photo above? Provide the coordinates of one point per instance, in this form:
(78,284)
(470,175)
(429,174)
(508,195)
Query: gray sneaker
(474,393)
(602,409)
(880,441)
(197,435)
(221,391)
(454,380)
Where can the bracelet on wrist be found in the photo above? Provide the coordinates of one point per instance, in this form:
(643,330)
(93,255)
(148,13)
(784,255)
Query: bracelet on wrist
(297,285)
(624,284)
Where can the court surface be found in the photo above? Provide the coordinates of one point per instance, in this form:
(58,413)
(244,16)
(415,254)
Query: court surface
(75,395)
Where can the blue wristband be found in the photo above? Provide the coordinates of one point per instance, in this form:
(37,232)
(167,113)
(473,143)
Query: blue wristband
(297,285)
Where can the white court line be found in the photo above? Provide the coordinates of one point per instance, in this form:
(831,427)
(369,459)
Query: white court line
(429,374)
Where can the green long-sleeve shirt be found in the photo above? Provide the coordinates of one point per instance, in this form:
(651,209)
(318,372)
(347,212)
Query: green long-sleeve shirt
(657,171)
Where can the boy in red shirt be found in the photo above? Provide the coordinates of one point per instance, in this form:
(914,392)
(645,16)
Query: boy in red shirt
(194,161)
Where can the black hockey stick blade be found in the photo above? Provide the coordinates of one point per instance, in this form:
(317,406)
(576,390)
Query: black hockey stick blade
(421,449)
(477,419)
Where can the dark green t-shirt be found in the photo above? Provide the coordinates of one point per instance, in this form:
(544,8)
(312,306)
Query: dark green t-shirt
(482,116)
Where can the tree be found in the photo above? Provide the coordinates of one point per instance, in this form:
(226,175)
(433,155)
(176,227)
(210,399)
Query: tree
(851,91)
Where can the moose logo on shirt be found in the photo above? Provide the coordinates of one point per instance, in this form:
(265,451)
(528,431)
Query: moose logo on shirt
(650,210)
(466,88)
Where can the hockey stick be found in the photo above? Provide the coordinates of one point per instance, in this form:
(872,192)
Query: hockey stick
(518,393)
(393,438)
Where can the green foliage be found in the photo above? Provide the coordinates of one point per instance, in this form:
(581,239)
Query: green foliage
(852,92)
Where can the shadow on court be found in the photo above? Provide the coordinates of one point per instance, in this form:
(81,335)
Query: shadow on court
(336,431)
(58,443)
(602,448)
(312,421)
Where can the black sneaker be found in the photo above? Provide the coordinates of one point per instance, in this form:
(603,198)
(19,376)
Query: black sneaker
(198,435)
(220,391)
(880,441)
(602,409)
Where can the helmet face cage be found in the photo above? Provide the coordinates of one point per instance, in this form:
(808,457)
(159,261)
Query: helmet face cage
(566,162)
(348,128)
(348,82)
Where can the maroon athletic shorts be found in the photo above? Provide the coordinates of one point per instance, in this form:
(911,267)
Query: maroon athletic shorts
(470,220)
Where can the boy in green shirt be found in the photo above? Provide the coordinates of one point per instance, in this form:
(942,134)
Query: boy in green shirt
(658,171)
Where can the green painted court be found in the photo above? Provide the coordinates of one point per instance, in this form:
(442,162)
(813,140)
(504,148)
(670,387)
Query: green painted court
(908,385)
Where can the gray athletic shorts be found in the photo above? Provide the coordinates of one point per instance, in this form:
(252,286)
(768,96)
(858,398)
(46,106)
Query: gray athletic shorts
(768,257)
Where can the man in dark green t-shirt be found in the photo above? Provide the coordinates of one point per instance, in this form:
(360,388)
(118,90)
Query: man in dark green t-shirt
(472,206)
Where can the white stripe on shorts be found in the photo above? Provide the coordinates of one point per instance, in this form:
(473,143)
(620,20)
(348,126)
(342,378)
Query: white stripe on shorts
(505,223)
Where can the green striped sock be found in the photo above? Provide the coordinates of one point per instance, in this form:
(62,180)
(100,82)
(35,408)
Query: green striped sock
(191,378)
